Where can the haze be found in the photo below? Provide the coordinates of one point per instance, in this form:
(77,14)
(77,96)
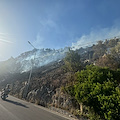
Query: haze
(55,24)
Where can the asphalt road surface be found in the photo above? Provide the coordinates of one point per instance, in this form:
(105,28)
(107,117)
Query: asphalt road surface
(16,109)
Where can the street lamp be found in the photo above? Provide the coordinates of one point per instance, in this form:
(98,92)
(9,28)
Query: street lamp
(32,65)
(28,84)
(31,44)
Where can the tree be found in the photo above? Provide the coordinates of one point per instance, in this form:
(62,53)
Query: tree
(72,61)
(97,88)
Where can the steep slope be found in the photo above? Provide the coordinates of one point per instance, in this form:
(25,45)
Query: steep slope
(44,85)
(47,74)
(31,59)
(39,57)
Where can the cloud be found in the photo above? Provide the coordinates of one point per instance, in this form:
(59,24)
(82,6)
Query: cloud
(96,35)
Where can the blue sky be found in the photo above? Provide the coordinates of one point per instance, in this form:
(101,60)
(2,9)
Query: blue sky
(55,23)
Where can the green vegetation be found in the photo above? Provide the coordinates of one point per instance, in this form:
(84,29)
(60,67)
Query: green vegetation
(96,88)
(72,61)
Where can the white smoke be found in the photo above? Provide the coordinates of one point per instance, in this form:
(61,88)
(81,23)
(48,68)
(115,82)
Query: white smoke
(38,43)
(96,35)
(39,57)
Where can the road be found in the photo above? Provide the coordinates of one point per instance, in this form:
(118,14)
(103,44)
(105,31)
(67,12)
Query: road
(16,109)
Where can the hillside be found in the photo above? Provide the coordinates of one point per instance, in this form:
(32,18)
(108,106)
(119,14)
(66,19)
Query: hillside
(44,88)
(35,59)
(48,74)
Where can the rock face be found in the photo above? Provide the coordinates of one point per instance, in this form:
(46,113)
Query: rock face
(44,88)
(62,100)
(46,80)
(43,83)
(46,75)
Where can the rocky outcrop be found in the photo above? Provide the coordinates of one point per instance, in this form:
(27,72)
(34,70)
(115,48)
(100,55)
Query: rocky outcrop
(43,83)
(63,100)
(44,88)
(40,96)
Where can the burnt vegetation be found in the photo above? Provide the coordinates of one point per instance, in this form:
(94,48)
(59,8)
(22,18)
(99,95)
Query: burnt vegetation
(85,82)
